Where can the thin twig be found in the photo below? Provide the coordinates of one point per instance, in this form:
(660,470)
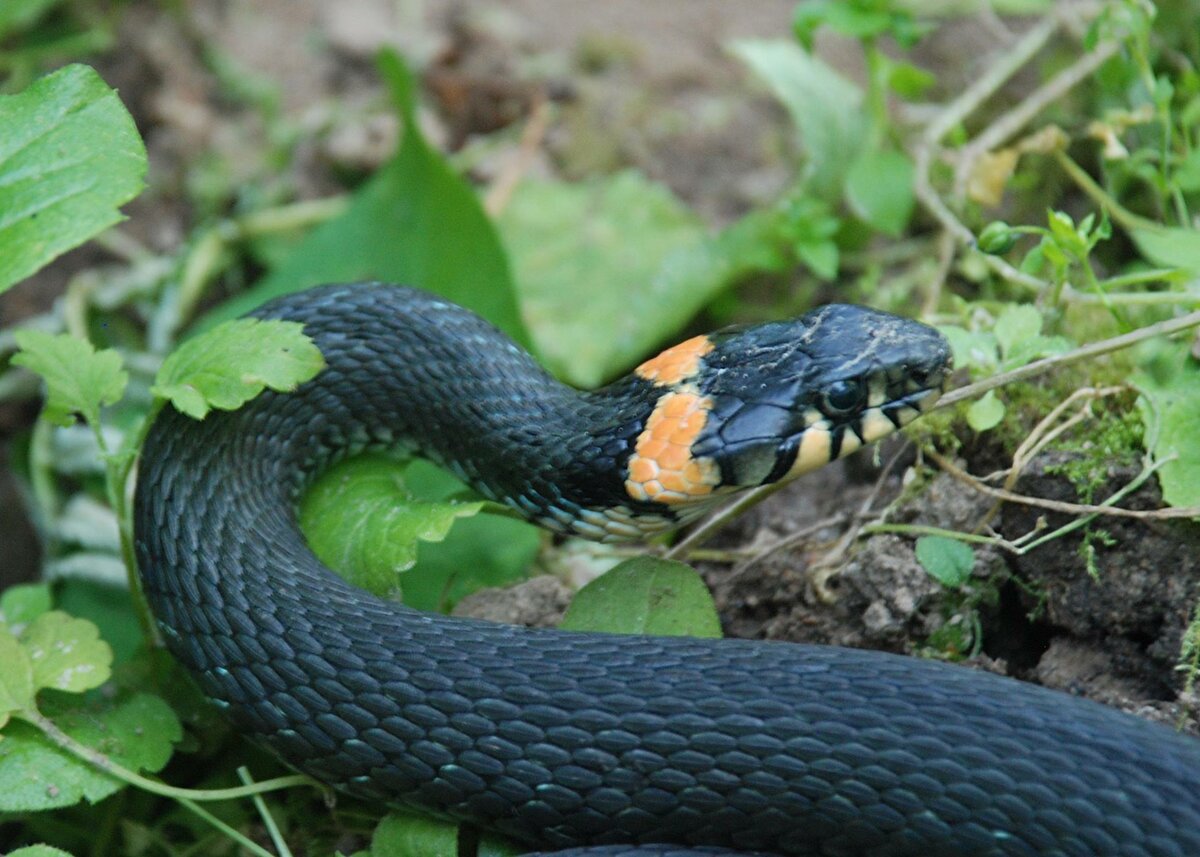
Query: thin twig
(787,541)
(268,820)
(1008,124)
(722,516)
(1094,349)
(1060,505)
(501,191)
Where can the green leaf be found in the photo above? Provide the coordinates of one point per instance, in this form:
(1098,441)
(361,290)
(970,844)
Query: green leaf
(38,851)
(403,835)
(645,595)
(70,156)
(1170,247)
(21,604)
(66,653)
(825,107)
(1170,407)
(79,379)
(227,366)
(1016,323)
(821,257)
(415,222)
(361,519)
(974,348)
(908,81)
(587,258)
(137,731)
(986,412)
(879,189)
(17,15)
(16,678)
(948,561)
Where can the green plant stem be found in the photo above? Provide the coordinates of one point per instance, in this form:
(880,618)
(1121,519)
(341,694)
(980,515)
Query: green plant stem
(1122,215)
(94,757)
(268,819)
(1114,498)
(1095,349)
(922,530)
(720,518)
(234,834)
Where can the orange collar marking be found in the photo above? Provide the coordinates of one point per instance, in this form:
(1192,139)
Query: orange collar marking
(662,468)
(677,364)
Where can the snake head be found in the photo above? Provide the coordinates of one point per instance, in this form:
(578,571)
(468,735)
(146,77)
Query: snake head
(788,397)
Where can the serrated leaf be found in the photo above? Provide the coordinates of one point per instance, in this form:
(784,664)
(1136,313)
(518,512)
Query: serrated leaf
(66,653)
(879,189)
(361,519)
(825,107)
(948,561)
(1016,323)
(79,379)
(16,678)
(1170,407)
(21,604)
(403,835)
(645,595)
(38,851)
(137,731)
(986,412)
(227,366)
(70,156)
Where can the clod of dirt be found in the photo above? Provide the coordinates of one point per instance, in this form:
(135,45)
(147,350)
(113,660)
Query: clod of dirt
(538,603)
(1144,590)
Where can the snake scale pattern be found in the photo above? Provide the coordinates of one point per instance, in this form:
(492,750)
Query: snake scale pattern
(612,746)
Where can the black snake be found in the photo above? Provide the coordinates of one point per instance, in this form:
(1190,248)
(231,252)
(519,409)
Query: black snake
(564,740)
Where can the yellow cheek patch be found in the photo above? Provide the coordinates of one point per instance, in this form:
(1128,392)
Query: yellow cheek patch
(677,364)
(875,425)
(815,448)
(662,468)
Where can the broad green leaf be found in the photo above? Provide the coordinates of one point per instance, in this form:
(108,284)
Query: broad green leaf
(16,678)
(16,15)
(361,519)
(587,258)
(66,653)
(826,108)
(70,156)
(137,731)
(79,379)
(21,604)
(1170,247)
(1016,323)
(39,851)
(948,561)
(645,595)
(1170,407)
(879,189)
(973,348)
(416,222)
(227,366)
(610,268)
(403,835)
(985,412)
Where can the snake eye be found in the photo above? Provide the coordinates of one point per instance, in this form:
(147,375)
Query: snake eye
(844,396)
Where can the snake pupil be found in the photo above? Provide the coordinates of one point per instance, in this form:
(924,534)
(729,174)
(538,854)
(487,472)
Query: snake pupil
(844,396)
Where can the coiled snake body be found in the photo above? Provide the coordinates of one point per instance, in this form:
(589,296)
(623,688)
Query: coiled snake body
(562,739)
